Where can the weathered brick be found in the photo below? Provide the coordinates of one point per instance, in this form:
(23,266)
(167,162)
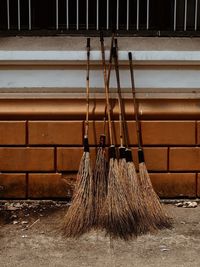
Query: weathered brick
(68,159)
(96,128)
(174,184)
(12,185)
(168,132)
(12,133)
(184,159)
(55,132)
(27,159)
(48,185)
(155,158)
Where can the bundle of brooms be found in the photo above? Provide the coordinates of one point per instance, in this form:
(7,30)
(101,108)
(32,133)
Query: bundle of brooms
(116,216)
(119,201)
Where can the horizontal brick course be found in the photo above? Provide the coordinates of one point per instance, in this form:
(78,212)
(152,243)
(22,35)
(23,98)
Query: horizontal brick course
(174,184)
(48,186)
(184,159)
(12,185)
(165,184)
(12,132)
(71,132)
(26,159)
(55,132)
(168,132)
(68,159)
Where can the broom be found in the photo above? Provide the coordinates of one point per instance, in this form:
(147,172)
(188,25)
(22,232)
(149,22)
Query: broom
(80,215)
(100,169)
(131,182)
(123,166)
(155,213)
(116,216)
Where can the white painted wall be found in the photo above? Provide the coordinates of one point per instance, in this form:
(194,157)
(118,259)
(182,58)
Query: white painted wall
(96,55)
(68,79)
(15,76)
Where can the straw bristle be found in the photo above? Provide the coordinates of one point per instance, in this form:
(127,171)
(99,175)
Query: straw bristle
(136,198)
(79,218)
(117,217)
(100,183)
(157,215)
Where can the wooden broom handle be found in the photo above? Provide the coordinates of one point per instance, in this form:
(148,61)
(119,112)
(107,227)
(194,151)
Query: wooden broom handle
(87,88)
(123,122)
(106,85)
(138,129)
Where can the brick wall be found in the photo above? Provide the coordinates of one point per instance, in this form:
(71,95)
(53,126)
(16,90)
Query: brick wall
(40,153)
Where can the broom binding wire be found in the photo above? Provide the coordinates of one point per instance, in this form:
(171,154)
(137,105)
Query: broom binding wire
(86,144)
(140,155)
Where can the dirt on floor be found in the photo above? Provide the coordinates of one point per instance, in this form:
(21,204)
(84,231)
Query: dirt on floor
(30,237)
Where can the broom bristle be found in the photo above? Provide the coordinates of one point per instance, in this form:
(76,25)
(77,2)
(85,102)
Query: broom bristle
(136,198)
(157,215)
(117,217)
(79,217)
(125,183)
(100,183)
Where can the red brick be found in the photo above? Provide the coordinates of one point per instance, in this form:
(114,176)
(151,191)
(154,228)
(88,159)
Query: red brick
(174,184)
(168,132)
(27,159)
(155,158)
(48,186)
(184,159)
(12,185)
(55,132)
(12,133)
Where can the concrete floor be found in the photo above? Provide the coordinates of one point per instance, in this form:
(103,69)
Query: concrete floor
(34,240)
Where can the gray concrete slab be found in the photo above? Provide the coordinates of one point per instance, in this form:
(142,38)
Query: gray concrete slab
(39,243)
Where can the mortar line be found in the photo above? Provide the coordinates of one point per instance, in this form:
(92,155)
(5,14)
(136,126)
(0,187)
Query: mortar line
(27,185)
(55,159)
(196,184)
(27,133)
(196,133)
(168,149)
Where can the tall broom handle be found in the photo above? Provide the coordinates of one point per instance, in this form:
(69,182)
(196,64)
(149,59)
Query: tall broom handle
(119,97)
(138,129)
(110,58)
(106,85)
(123,123)
(109,69)
(87,88)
